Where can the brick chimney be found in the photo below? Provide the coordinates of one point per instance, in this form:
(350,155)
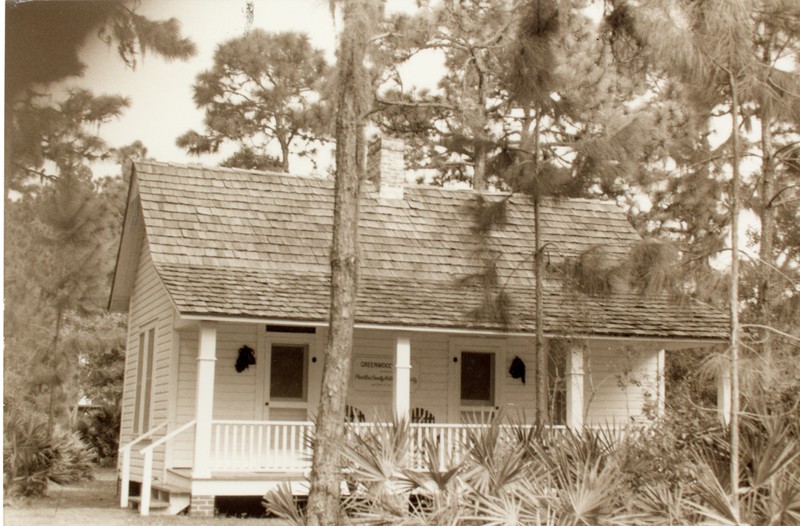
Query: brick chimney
(386,167)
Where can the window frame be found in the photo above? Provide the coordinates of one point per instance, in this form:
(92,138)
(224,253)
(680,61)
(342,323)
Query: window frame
(145,379)
(497,346)
(304,378)
(492,374)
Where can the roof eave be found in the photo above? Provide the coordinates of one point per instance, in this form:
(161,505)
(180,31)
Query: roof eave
(129,243)
(681,340)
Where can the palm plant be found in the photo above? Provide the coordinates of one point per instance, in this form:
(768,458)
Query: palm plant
(770,490)
(282,503)
(672,472)
(376,456)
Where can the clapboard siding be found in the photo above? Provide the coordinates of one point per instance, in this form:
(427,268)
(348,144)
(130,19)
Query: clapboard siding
(183,445)
(234,393)
(622,379)
(429,353)
(432,367)
(238,396)
(520,399)
(150,307)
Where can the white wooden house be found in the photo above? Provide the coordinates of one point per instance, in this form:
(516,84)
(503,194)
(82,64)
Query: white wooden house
(214,263)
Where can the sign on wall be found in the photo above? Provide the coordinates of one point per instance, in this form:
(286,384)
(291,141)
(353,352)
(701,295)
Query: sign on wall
(376,373)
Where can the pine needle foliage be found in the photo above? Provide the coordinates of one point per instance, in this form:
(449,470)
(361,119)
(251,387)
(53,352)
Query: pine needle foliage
(488,214)
(264,92)
(495,304)
(531,76)
(651,267)
(593,272)
(654,267)
(44,38)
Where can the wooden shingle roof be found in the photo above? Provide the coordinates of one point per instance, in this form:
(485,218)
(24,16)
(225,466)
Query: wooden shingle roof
(253,244)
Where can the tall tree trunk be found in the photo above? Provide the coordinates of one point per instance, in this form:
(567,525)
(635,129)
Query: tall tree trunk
(323,501)
(51,412)
(766,215)
(541,351)
(479,169)
(284,156)
(734,293)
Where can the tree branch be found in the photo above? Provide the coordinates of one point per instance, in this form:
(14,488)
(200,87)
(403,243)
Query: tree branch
(31,171)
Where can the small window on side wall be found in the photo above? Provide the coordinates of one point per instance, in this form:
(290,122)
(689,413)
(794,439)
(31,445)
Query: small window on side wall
(477,379)
(142,411)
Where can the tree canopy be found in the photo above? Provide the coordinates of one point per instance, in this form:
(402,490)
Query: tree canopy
(264,89)
(43,38)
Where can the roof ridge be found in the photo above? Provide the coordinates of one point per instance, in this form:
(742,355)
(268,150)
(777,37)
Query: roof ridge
(413,187)
(199,166)
(424,187)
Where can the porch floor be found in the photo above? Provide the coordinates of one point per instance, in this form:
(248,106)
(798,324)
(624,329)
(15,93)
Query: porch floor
(239,483)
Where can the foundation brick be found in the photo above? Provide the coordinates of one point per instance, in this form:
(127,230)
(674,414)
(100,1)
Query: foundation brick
(202,506)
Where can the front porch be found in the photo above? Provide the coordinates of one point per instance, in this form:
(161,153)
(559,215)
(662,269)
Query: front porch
(250,458)
(237,431)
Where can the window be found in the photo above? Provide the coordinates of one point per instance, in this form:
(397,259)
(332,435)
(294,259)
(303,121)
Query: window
(287,377)
(144,382)
(477,379)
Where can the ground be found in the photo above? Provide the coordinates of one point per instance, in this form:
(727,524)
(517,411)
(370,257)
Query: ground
(93,503)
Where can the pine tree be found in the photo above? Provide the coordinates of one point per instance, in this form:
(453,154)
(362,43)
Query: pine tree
(263,89)
(455,127)
(60,250)
(352,104)
(708,46)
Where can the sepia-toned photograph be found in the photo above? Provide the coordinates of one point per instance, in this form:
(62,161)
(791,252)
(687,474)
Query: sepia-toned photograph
(401,262)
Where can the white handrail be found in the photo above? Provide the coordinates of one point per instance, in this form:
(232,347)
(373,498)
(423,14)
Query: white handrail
(144,436)
(125,475)
(147,468)
(168,437)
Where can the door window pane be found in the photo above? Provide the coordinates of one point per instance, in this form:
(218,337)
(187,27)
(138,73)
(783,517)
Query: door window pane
(287,372)
(477,378)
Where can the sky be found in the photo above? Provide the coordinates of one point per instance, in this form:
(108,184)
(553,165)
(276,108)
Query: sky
(160,93)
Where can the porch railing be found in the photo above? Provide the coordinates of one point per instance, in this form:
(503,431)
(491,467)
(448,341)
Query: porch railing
(246,445)
(272,446)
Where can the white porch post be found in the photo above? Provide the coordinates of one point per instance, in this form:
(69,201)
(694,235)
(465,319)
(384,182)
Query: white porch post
(724,395)
(575,357)
(206,358)
(402,377)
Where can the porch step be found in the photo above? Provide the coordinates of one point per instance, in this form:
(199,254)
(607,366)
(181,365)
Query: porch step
(171,489)
(166,499)
(155,505)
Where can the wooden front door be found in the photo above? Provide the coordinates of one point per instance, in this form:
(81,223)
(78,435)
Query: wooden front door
(476,379)
(285,379)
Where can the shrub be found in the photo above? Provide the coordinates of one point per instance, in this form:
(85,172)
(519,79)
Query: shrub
(28,455)
(662,452)
(100,430)
(671,472)
(74,459)
(31,458)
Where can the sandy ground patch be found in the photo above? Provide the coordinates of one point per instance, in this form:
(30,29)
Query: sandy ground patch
(94,503)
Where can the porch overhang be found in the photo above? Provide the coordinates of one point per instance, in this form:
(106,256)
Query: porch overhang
(656,342)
